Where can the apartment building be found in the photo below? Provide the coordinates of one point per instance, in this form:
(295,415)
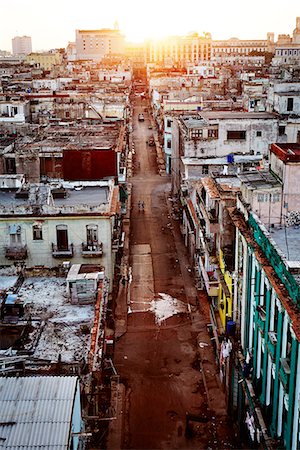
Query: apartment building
(96,44)
(21,45)
(221,142)
(242,47)
(180,50)
(44,225)
(287,52)
(265,373)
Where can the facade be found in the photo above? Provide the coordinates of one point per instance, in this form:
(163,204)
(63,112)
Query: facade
(40,412)
(266,373)
(44,60)
(96,44)
(209,236)
(21,45)
(263,191)
(287,52)
(284,163)
(14,111)
(48,226)
(180,50)
(220,142)
(242,47)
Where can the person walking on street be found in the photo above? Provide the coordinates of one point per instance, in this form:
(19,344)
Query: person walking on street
(143,206)
(139,204)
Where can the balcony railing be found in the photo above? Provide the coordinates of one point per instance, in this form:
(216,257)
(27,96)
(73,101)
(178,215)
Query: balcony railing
(62,252)
(16,252)
(93,250)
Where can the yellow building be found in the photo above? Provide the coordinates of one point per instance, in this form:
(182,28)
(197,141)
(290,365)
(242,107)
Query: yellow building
(225,291)
(44,60)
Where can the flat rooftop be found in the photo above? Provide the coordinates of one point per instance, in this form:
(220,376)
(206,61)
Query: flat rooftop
(259,180)
(288,241)
(78,199)
(45,300)
(240,115)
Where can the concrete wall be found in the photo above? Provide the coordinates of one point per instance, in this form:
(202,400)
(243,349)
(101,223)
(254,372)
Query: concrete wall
(40,251)
(223,146)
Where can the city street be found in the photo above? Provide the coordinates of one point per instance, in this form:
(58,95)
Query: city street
(167,374)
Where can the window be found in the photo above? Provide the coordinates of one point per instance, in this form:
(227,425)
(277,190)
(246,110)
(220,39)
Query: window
(62,237)
(262,197)
(258,133)
(236,135)
(169,123)
(92,234)
(281,130)
(15,234)
(196,134)
(213,134)
(169,144)
(204,170)
(276,197)
(37,233)
(290,104)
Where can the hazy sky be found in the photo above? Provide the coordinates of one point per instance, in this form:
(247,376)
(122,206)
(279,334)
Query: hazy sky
(52,23)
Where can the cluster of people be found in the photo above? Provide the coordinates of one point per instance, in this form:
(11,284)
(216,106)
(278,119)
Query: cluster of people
(141,205)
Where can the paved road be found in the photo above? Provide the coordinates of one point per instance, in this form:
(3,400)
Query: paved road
(159,360)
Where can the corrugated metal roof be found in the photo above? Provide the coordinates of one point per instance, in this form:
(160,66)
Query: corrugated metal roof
(36,412)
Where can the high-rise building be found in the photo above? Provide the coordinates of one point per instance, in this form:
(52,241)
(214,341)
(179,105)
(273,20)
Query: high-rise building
(97,44)
(21,45)
(180,50)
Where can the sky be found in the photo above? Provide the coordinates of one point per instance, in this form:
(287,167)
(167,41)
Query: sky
(52,23)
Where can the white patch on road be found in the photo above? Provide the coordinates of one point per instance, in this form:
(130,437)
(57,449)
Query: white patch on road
(166,306)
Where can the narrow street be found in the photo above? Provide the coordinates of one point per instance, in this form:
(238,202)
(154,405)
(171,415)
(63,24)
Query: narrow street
(166,373)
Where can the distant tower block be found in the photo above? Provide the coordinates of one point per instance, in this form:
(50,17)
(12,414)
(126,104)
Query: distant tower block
(270,37)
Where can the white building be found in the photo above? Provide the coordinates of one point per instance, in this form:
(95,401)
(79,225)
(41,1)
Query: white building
(14,111)
(219,142)
(44,227)
(21,45)
(287,50)
(96,44)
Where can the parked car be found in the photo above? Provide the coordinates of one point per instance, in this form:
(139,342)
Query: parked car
(141,118)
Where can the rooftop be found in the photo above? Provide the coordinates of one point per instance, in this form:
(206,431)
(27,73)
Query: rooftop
(58,325)
(36,412)
(288,241)
(240,115)
(286,152)
(259,180)
(75,199)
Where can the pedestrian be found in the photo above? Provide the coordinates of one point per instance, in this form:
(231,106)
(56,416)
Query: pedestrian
(139,204)
(143,205)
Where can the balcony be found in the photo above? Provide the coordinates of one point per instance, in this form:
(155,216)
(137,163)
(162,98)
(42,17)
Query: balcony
(272,341)
(62,252)
(210,245)
(261,318)
(284,371)
(16,252)
(211,284)
(94,250)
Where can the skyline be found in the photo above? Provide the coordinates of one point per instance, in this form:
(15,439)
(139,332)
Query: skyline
(27,17)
